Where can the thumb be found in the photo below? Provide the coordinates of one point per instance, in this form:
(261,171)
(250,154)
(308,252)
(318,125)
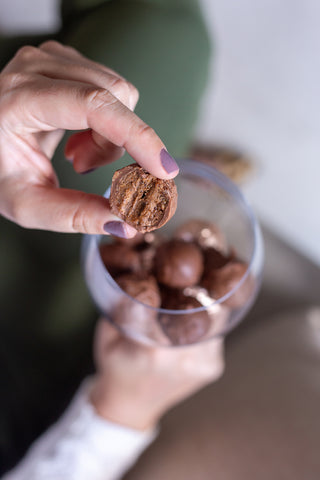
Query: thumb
(57,209)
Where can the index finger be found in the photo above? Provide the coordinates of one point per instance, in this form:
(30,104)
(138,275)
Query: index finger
(74,105)
(125,129)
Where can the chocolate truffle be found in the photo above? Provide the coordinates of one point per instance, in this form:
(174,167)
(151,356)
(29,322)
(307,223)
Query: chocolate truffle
(136,319)
(185,328)
(221,281)
(219,314)
(143,201)
(178,264)
(143,289)
(204,233)
(214,259)
(119,257)
(146,252)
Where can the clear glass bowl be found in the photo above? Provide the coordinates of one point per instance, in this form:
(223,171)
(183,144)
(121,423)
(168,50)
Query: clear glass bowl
(203,193)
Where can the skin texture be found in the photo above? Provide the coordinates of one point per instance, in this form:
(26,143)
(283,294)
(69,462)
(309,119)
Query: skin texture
(158,377)
(45,91)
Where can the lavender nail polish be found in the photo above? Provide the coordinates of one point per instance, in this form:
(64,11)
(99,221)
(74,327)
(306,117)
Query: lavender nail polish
(115,228)
(168,162)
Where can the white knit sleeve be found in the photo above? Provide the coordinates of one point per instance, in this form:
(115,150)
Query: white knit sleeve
(82,446)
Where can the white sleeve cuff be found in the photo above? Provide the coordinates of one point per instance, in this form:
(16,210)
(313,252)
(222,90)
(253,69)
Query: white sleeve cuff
(82,445)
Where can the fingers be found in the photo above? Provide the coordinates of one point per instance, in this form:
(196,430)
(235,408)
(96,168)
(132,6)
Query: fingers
(194,365)
(50,95)
(54,60)
(61,50)
(82,68)
(48,141)
(207,361)
(44,91)
(47,104)
(50,208)
(88,150)
(200,363)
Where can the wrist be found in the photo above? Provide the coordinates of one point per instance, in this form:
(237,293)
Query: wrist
(120,408)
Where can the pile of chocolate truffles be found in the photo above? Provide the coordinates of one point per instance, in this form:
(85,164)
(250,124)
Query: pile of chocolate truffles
(185,272)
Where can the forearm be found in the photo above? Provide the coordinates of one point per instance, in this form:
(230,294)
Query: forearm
(82,445)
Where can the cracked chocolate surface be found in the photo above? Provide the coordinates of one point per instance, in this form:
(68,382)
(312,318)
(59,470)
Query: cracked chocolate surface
(143,201)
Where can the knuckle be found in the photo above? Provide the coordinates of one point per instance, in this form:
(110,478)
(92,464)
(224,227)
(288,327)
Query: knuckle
(49,44)
(8,81)
(209,374)
(212,365)
(80,220)
(145,132)
(13,79)
(120,89)
(97,98)
(27,53)
(70,49)
(54,45)
(218,371)
(13,95)
(134,92)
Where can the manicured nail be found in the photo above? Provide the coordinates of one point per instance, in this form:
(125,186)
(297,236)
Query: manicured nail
(69,158)
(87,171)
(168,163)
(119,229)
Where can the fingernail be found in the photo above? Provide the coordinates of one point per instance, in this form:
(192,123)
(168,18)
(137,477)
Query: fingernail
(87,171)
(69,158)
(168,163)
(119,229)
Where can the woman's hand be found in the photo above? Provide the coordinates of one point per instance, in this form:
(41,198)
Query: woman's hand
(135,385)
(45,91)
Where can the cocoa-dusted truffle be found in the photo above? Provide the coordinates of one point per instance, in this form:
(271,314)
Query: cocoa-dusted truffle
(185,328)
(204,233)
(143,201)
(119,257)
(222,280)
(143,289)
(214,259)
(178,264)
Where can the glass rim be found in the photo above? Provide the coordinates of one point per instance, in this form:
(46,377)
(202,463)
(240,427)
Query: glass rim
(205,172)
